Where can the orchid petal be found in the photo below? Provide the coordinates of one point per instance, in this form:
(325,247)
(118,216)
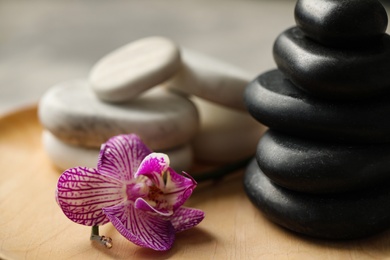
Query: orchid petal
(178,188)
(121,155)
(142,228)
(83,192)
(142,204)
(186,218)
(153,166)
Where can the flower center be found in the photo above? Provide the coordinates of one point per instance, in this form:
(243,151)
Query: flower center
(155,194)
(136,190)
(143,187)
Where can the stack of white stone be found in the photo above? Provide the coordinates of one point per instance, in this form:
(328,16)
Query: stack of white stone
(180,102)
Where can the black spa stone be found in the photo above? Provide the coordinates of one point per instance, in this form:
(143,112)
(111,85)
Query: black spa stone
(274,101)
(322,167)
(332,73)
(341,22)
(341,216)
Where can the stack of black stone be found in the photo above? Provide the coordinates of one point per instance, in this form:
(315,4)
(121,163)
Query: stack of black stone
(323,167)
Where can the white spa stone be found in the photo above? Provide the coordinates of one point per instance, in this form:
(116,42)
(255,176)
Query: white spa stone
(65,156)
(73,113)
(226,135)
(134,68)
(210,79)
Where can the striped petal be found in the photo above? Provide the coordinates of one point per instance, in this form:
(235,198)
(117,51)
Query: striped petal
(83,192)
(178,188)
(154,166)
(142,228)
(121,156)
(186,218)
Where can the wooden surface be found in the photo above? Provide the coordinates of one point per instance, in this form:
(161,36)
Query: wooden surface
(32,226)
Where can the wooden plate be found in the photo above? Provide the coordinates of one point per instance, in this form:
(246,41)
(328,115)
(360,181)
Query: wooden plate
(32,226)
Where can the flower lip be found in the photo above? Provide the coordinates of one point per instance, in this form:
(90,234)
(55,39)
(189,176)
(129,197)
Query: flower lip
(142,204)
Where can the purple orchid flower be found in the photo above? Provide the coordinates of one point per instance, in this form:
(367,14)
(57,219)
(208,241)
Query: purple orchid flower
(132,188)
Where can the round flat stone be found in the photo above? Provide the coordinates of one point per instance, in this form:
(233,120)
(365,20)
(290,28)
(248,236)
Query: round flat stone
(65,156)
(277,103)
(225,135)
(322,167)
(130,70)
(210,79)
(333,73)
(341,216)
(335,22)
(73,113)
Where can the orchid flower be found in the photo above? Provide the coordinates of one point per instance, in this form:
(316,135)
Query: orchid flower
(132,188)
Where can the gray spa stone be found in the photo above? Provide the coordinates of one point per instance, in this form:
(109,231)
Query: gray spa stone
(225,135)
(274,101)
(341,22)
(65,156)
(333,73)
(73,113)
(134,68)
(328,110)
(342,216)
(322,167)
(210,79)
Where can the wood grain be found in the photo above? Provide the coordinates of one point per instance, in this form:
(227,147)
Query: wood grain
(32,226)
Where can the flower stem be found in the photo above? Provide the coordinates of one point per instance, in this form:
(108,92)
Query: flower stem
(105,241)
(222,171)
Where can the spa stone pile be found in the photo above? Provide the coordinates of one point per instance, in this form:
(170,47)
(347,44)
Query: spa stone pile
(323,167)
(180,102)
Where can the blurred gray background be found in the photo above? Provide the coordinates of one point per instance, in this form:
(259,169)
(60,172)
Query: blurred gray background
(43,42)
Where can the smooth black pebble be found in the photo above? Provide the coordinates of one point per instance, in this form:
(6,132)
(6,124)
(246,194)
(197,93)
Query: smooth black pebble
(341,22)
(341,216)
(274,101)
(333,73)
(322,167)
